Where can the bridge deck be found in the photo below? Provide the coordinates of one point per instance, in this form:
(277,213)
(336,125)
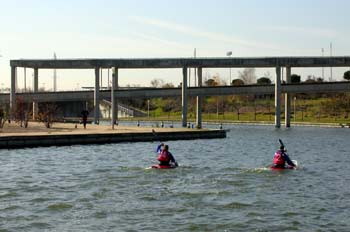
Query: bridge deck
(147,93)
(234,62)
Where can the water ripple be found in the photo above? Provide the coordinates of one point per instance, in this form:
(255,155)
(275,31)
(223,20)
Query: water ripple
(221,185)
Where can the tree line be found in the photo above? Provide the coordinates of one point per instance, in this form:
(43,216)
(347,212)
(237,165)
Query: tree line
(313,106)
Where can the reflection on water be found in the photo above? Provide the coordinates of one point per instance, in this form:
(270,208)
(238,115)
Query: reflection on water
(222,185)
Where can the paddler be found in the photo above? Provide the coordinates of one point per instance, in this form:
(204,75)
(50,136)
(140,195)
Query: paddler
(281,158)
(165,157)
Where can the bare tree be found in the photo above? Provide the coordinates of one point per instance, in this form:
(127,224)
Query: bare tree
(21,112)
(48,114)
(248,75)
(157,83)
(2,118)
(237,103)
(168,85)
(267,74)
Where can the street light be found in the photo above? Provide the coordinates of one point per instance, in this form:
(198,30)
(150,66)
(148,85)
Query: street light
(2,84)
(331,54)
(295,113)
(148,108)
(322,50)
(229,54)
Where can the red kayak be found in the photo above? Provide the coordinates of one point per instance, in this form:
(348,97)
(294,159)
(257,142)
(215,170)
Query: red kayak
(163,166)
(287,167)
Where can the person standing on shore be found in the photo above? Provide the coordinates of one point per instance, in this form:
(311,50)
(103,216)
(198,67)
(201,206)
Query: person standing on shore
(84,115)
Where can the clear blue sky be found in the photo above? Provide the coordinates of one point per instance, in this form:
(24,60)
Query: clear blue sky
(144,28)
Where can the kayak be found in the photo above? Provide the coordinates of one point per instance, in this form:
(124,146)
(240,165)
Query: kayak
(278,168)
(286,167)
(163,166)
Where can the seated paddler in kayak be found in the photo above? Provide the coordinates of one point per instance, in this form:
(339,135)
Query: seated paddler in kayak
(281,158)
(165,157)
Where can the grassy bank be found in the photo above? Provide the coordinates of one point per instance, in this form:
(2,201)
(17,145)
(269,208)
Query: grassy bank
(304,110)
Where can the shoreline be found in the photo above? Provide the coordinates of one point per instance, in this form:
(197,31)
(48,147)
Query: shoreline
(258,123)
(62,134)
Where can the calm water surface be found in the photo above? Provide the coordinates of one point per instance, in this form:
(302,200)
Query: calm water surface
(222,185)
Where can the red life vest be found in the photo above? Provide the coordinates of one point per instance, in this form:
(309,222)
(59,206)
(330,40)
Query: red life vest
(164,156)
(278,158)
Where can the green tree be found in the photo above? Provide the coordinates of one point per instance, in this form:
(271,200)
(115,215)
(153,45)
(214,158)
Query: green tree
(319,79)
(263,81)
(295,78)
(237,82)
(347,75)
(211,82)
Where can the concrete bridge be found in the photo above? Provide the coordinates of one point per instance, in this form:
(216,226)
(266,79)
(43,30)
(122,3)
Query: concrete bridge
(145,93)
(184,63)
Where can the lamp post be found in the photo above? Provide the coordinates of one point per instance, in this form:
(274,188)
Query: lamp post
(229,54)
(2,84)
(295,113)
(148,108)
(331,54)
(195,70)
(25,80)
(322,65)
(108,78)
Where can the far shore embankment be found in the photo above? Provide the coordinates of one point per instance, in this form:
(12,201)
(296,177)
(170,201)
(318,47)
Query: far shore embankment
(192,123)
(61,134)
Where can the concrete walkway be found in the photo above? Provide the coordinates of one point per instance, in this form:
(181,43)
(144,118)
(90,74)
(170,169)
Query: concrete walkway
(35,128)
(63,134)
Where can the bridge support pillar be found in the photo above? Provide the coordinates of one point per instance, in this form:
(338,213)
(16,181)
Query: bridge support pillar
(13,91)
(278,98)
(114,101)
(199,101)
(97,96)
(287,99)
(184,96)
(35,90)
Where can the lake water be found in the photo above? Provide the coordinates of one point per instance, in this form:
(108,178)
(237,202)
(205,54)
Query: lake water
(221,185)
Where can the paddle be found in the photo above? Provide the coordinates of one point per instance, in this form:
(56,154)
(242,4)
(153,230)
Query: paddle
(281,142)
(157,138)
(155,135)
